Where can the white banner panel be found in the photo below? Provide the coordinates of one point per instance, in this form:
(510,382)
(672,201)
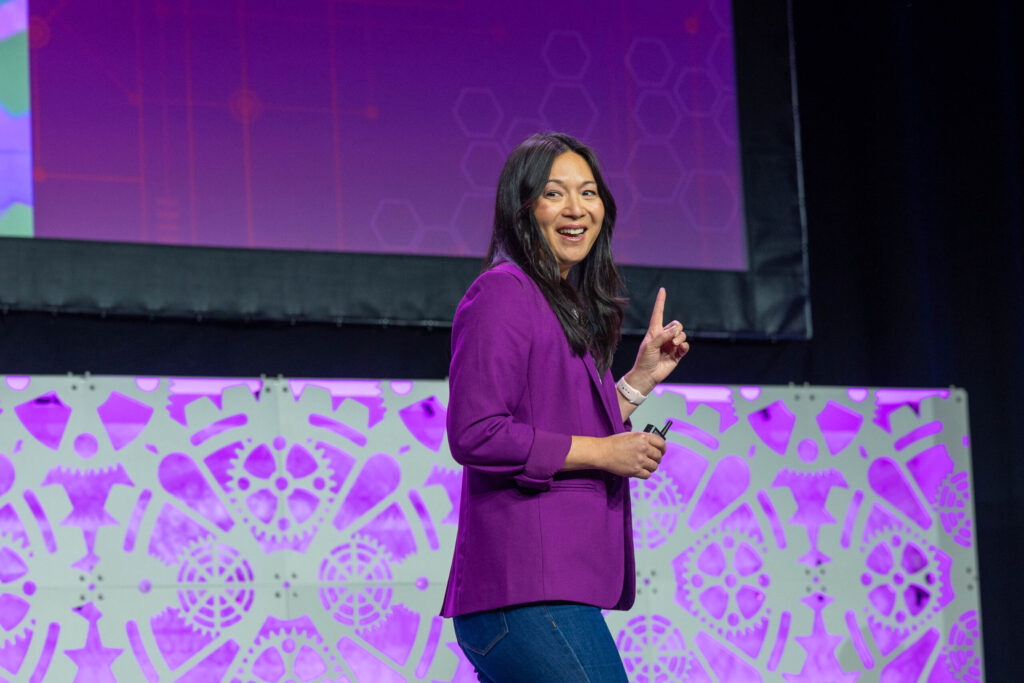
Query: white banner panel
(196,529)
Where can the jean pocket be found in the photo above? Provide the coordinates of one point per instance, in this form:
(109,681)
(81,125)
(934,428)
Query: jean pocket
(481,631)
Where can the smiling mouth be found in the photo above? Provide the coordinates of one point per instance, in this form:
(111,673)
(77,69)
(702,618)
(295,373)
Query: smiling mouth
(573,233)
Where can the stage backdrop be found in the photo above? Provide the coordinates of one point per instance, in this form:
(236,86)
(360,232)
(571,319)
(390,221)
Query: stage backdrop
(336,162)
(300,530)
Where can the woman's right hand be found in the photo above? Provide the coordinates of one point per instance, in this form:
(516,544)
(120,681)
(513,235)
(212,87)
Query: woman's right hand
(630,454)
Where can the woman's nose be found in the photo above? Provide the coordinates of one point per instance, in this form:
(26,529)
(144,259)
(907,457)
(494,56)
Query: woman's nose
(573,206)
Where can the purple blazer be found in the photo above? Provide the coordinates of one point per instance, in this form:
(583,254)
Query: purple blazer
(528,532)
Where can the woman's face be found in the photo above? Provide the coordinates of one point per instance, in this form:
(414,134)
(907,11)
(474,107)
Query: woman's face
(569,210)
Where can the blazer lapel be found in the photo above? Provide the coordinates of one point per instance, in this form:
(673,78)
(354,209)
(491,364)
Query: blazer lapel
(610,411)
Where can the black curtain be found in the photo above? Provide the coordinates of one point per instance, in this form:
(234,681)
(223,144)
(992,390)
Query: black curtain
(912,161)
(913,166)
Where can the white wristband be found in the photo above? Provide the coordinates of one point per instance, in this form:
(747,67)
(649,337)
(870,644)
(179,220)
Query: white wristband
(629,393)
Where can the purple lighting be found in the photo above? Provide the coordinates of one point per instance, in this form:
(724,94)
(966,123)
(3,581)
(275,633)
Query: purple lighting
(88,492)
(811,491)
(426,421)
(305,535)
(124,418)
(774,425)
(93,661)
(839,425)
(821,663)
(45,417)
(217,134)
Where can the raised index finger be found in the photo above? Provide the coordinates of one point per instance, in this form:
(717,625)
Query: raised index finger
(658,314)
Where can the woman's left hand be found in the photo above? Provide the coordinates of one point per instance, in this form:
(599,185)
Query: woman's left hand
(660,351)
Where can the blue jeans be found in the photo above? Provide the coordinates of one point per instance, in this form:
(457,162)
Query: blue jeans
(557,642)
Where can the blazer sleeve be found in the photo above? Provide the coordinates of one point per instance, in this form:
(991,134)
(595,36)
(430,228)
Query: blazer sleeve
(488,384)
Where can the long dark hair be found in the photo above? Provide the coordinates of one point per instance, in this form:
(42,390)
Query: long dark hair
(588,302)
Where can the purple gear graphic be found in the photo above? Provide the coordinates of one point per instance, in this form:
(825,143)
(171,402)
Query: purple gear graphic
(208,608)
(906,581)
(953,504)
(653,651)
(663,503)
(717,575)
(283,493)
(356,578)
(289,650)
(721,580)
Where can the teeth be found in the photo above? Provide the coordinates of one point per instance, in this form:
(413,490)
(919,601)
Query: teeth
(571,231)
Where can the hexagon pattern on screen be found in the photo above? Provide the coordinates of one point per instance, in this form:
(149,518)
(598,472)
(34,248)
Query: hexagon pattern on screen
(393,145)
(300,530)
(677,175)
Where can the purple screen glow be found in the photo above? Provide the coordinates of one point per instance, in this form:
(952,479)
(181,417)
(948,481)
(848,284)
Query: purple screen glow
(378,126)
(270,530)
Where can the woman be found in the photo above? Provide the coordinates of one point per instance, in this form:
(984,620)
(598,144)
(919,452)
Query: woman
(541,427)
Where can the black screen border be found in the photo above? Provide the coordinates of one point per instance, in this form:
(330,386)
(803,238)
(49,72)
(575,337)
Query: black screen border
(770,300)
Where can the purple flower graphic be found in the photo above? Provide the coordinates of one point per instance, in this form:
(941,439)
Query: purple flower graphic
(281,486)
(903,590)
